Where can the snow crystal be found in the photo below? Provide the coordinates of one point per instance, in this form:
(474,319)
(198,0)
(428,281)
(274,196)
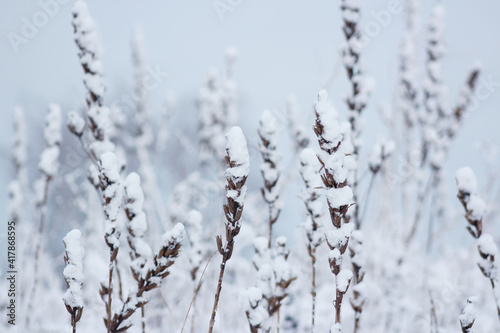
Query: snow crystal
(466,180)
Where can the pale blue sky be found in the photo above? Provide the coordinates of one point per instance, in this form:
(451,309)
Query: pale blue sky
(284,47)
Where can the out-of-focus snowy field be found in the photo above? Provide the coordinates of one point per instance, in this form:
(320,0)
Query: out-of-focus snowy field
(280,48)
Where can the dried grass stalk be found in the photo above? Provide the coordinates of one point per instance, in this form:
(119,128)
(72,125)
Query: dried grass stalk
(309,171)
(270,169)
(338,194)
(236,175)
(151,277)
(475,208)
(73,274)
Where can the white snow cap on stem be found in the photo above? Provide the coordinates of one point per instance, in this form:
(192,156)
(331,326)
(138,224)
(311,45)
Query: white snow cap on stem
(268,128)
(76,124)
(486,245)
(73,272)
(174,236)
(467,183)
(466,180)
(468,316)
(236,148)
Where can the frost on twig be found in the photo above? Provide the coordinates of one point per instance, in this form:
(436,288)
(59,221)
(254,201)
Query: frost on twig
(73,274)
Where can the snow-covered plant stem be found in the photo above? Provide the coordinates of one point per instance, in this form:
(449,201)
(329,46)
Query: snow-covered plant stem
(358,263)
(143,134)
(238,162)
(17,187)
(357,98)
(309,171)
(270,169)
(475,208)
(438,122)
(338,195)
(140,251)
(48,166)
(87,43)
(263,302)
(111,188)
(468,316)
(152,274)
(73,274)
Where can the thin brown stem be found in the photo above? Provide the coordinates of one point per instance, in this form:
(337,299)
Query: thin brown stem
(217,294)
(143,319)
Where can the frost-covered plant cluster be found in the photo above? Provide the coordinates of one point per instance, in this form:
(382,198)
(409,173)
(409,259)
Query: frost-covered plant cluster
(217,249)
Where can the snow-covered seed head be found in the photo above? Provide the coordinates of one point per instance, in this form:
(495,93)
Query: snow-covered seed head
(73,274)
(468,316)
(474,206)
(238,162)
(380,152)
(52,133)
(76,124)
(87,42)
